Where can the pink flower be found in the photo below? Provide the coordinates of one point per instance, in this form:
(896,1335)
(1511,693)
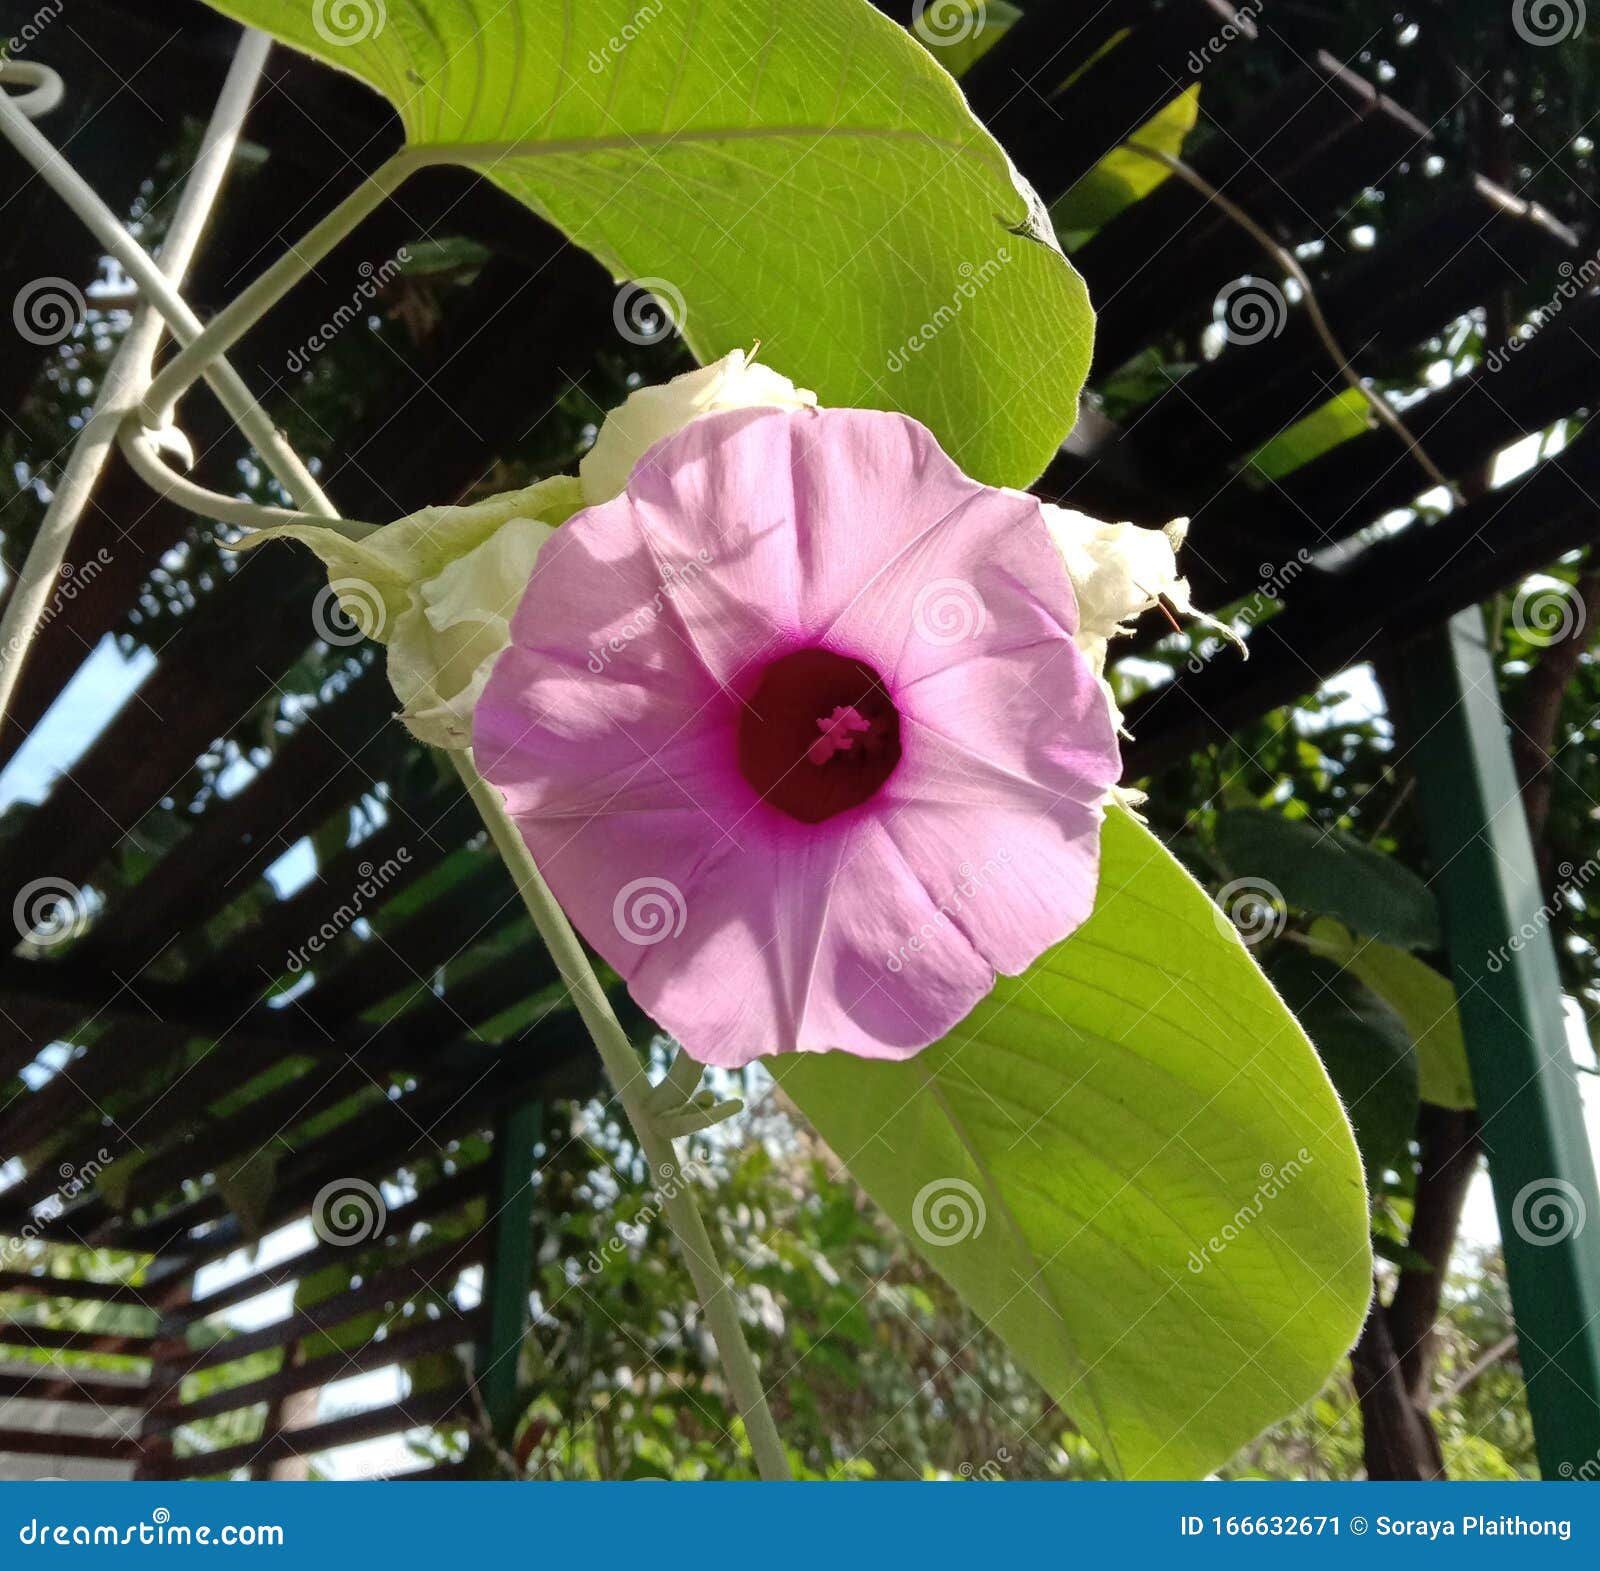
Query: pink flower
(797,730)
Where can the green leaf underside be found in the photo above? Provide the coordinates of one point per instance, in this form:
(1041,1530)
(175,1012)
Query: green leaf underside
(1424,1000)
(1156,1248)
(1341,419)
(1330,873)
(1123,176)
(809,177)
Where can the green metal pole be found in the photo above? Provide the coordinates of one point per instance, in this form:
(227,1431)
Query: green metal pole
(508,1275)
(1498,927)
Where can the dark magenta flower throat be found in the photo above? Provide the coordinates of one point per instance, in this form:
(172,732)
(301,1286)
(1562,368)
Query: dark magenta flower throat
(819,735)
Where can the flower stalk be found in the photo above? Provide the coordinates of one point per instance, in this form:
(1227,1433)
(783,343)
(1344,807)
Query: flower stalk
(204,357)
(633,1087)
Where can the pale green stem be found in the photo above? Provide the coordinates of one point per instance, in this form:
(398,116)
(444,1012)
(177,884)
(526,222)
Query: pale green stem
(203,357)
(246,309)
(158,292)
(129,371)
(633,1087)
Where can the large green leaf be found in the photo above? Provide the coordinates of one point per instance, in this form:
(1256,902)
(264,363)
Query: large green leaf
(1132,1165)
(803,175)
(1330,873)
(1421,996)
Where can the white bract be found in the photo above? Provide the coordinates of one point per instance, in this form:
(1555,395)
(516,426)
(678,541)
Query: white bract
(652,414)
(1120,571)
(439,587)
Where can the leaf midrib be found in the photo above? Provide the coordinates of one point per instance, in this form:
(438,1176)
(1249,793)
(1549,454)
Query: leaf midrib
(475,152)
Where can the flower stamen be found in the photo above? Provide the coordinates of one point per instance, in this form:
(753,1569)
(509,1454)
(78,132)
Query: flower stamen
(839,732)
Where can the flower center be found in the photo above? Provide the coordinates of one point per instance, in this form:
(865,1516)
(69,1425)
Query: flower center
(819,735)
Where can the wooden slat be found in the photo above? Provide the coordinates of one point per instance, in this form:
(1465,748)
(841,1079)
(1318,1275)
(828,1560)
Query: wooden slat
(49,1339)
(431,1336)
(1293,165)
(433,1271)
(1396,588)
(73,1288)
(99,1448)
(57,1385)
(420,1412)
(1474,242)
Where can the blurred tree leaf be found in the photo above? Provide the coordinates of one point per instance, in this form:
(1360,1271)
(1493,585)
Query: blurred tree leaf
(1424,1000)
(1365,1046)
(1331,873)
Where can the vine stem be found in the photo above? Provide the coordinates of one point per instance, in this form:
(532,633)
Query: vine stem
(130,369)
(203,355)
(1286,259)
(159,293)
(633,1086)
